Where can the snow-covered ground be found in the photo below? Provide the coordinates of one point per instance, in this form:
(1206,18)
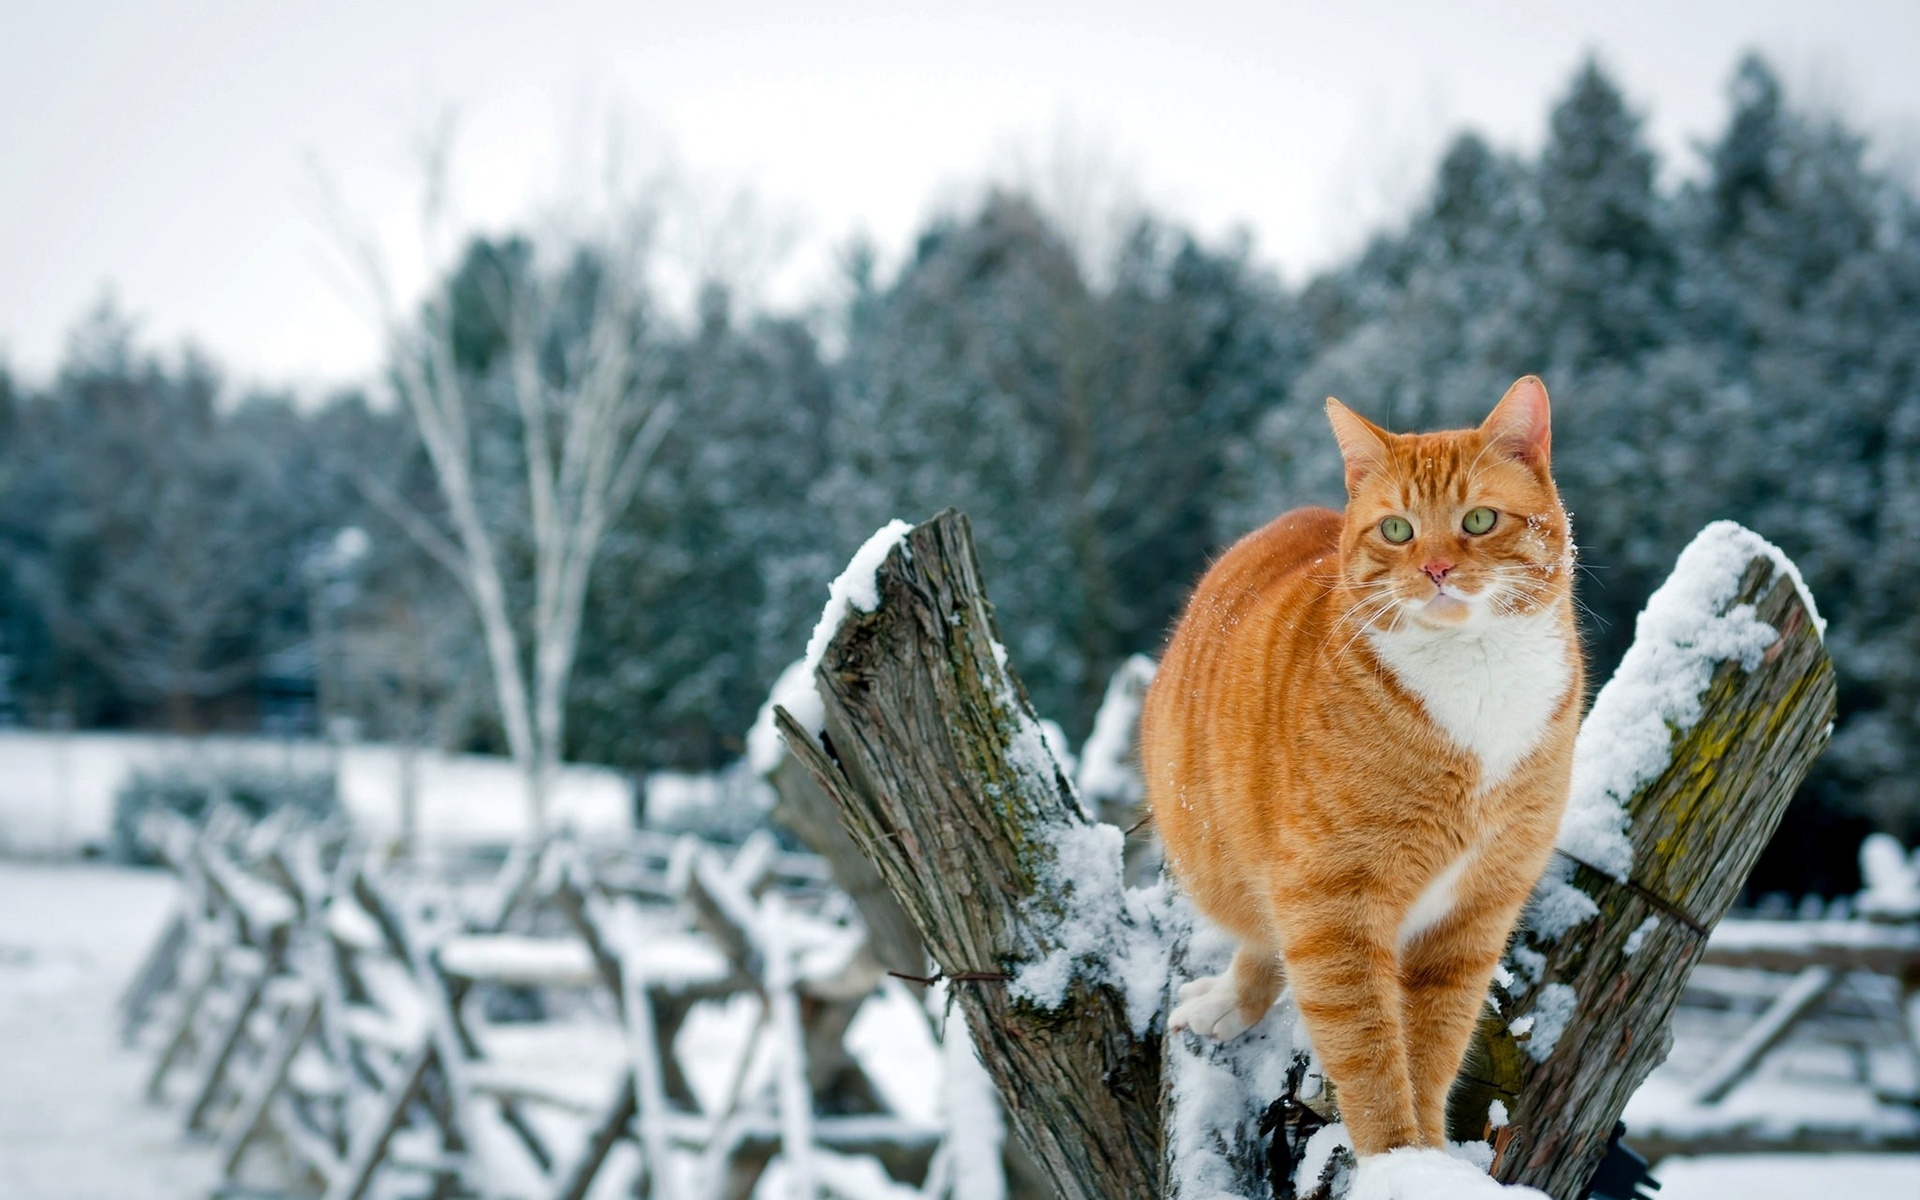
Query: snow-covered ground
(72,1124)
(57,789)
(1791,1177)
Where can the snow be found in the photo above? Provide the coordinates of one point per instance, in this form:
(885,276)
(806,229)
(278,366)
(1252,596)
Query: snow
(894,1041)
(1107,932)
(1790,1177)
(512,958)
(1655,695)
(725,803)
(261,905)
(72,1124)
(765,748)
(1806,1088)
(846,1176)
(1743,1053)
(1771,1106)
(1219,1089)
(1530,964)
(1892,877)
(577,1063)
(352,925)
(1108,780)
(793,1099)
(1748,935)
(1639,935)
(1317,1155)
(57,789)
(1058,745)
(1497,1115)
(1428,1174)
(1551,1011)
(1557,906)
(856,588)
(976,1131)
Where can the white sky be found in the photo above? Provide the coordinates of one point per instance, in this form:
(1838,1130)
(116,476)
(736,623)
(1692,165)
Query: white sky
(172,151)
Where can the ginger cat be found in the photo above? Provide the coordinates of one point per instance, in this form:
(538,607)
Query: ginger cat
(1358,747)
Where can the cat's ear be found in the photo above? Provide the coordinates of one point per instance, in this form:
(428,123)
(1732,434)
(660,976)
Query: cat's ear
(1362,443)
(1521,423)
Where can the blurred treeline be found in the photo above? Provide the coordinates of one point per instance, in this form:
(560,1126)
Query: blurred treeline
(1743,344)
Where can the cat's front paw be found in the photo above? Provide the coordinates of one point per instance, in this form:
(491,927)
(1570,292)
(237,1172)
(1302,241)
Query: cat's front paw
(1210,1007)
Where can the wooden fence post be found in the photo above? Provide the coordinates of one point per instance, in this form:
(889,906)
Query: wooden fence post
(1696,830)
(934,758)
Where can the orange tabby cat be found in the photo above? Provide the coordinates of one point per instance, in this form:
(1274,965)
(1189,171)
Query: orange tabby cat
(1358,748)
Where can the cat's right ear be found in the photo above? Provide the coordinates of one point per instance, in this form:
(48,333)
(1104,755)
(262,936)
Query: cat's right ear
(1362,443)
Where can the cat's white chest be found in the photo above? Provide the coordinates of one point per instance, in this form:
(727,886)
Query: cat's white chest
(1492,688)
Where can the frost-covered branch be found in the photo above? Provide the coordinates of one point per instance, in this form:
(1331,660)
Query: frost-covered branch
(586,418)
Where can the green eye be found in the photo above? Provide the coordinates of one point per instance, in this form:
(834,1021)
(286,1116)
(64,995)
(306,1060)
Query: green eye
(1396,529)
(1478,520)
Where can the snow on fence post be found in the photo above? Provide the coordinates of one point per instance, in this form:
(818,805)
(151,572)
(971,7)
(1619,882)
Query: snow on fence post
(935,759)
(1684,767)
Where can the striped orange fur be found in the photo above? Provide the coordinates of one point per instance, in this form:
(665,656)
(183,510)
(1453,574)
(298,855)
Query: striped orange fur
(1358,747)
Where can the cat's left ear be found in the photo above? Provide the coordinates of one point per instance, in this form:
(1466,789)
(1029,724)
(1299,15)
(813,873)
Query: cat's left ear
(1521,423)
(1362,443)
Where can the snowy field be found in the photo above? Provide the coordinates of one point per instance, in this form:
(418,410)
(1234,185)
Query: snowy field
(72,1124)
(57,790)
(73,1127)
(1792,1177)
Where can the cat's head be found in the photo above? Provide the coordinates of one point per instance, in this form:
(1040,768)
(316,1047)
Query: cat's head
(1454,529)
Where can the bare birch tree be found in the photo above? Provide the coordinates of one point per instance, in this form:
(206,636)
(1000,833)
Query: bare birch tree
(582,400)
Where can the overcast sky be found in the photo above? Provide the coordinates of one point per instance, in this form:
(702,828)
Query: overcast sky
(173,152)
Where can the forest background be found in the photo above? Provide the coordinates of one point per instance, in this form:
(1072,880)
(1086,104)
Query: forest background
(1109,410)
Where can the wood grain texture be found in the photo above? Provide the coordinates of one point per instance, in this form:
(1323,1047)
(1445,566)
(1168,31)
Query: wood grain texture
(926,756)
(1696,831)
(804,807)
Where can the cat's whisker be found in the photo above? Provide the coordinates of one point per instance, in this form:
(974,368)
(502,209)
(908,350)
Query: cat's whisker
(1350,616)
(1366,625)
(1368,592)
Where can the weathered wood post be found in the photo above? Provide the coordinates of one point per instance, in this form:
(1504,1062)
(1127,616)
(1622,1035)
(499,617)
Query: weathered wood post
(806,809)
(1612,943)
(930,751)
(935,759)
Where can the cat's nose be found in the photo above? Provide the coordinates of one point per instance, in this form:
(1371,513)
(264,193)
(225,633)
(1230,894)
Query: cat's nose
(1437,569)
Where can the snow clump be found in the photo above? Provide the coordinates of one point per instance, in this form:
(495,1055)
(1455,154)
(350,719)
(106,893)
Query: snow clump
(1548,1021)
(858,587)
(794,692)
(1108,779)
(1422,1173)
(1557,905)
(1109,933)
(1639,936)
(1893,878)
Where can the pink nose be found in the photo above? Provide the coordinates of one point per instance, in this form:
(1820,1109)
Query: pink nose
(1437,569)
